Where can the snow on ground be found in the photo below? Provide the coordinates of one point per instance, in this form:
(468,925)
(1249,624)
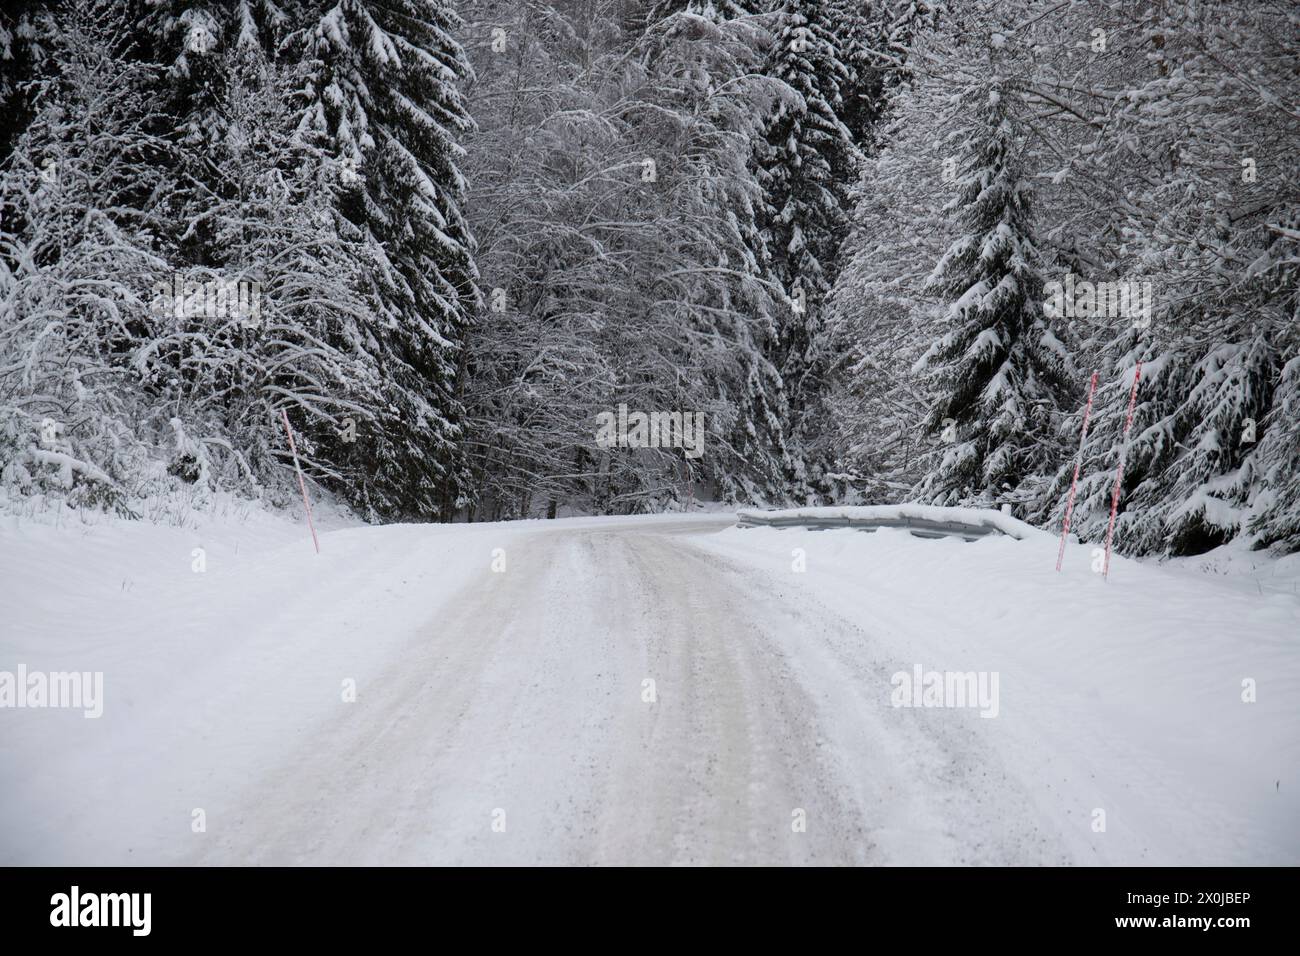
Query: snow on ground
(205,673)
(521,688)
(1123,695)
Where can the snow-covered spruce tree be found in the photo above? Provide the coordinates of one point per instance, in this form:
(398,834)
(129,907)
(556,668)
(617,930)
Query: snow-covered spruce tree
(1275,522)
(1275,518)
(382,92)
(709,9)
(258,208)
(900,23)
(271,232)
(145,212)
(1188,189)
(808,157)
(1001,369)
(26,38)
(714,285)
(874,41)
(806,160)
(193,41)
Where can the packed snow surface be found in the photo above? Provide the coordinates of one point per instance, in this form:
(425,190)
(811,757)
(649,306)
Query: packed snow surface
(504,711)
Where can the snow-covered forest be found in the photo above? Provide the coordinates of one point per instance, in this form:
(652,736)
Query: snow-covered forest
(880,246)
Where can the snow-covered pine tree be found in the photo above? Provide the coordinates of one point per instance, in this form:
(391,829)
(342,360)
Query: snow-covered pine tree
(900,24)
(806,160)
(710,9)
(1189,190)
(255,202)
(192,39)
(26,40)
(703,72)
(267,210)
(860,29)
(1275,518)
(1275,522)
(1001,367)
(132,178)
(382,94)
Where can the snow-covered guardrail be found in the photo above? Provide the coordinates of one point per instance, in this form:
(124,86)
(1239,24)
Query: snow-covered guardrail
(924,521)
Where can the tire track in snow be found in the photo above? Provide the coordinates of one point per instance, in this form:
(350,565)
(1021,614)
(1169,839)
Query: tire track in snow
(525,696)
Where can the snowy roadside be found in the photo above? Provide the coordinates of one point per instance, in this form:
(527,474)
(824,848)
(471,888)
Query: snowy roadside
(214,669)
(1123,696)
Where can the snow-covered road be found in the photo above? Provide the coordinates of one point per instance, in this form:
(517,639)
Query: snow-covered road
(527,698)
(504,710)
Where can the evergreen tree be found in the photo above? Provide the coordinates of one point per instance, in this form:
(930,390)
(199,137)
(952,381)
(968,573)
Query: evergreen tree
(1174,199)
(858,32)
(808,158)
(382,96)
(271,228)
(1001,367)
(712,9)
(806,162)
(27,37)
(1275,518)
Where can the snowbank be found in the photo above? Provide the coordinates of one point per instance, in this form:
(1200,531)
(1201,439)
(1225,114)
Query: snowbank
(1128,696)
(219,643)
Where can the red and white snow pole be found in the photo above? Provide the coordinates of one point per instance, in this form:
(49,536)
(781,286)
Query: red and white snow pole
(302,485)
(1078,462)
(1119,471)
